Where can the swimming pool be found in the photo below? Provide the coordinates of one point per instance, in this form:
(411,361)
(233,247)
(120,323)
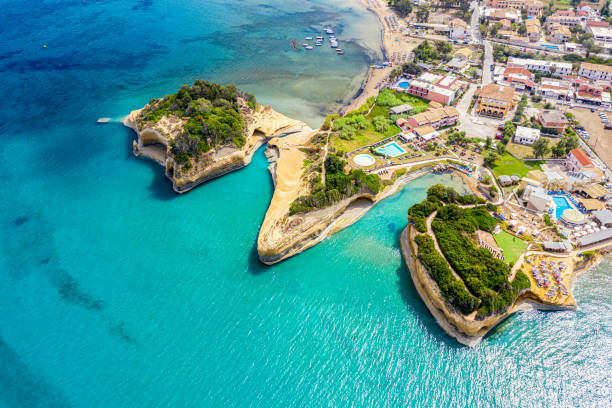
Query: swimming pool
(552,47)
(391,149)
(404,85)
(561,204)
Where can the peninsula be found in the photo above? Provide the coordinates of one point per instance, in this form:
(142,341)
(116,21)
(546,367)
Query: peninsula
(536,215)
(204,131)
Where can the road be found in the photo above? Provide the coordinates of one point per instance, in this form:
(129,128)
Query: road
(475,21)
(487,63)
(488,57)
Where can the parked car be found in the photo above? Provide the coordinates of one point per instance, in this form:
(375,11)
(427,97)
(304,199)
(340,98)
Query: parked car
(499,136)
(500,127)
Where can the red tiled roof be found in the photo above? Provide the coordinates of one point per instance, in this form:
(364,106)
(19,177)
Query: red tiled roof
(597,23)
(581,156)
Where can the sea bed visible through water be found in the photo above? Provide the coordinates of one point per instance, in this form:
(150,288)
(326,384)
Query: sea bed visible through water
(118,292)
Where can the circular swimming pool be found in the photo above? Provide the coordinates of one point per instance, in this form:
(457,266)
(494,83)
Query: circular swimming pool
(364,160)
(403,84)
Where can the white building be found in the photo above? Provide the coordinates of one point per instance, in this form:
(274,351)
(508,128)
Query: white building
(577,160)
(537,199)
(458,29)
(595,71)
(601,35)
(525,135)
(559,68)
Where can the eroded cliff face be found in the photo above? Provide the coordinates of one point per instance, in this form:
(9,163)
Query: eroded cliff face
(281,235)
(154,140)
(465,329)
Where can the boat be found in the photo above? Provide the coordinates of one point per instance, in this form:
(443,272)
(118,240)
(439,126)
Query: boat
(318,44)
(340,53)
(329,31)
(103,120)
(309,47)
(308,38)
(320,37)
(334,45)
(338,49)
(304,45)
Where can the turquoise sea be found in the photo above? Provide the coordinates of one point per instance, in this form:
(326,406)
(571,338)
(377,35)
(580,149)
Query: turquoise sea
(116,292)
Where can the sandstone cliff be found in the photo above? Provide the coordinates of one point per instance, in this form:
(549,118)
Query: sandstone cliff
(282,235)
(154,142)
(465,329)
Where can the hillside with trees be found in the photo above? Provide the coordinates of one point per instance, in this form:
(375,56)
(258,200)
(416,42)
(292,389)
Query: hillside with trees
(212,115)
(484,286)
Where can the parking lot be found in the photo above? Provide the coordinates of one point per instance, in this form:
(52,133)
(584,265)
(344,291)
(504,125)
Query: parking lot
(600,139)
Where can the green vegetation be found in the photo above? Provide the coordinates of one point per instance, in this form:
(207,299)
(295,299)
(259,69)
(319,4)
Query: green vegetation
(563,147)
(485,276)
(547,220)
(403,7)
(372,122)
(591,58)
(520,110)
(509,165)
(436,196)
(513,247)
(425,52)
(328,120)
(338,185)
(212,115)
(452,289)
(541,148)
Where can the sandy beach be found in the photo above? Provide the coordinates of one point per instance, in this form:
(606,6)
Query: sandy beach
(391,42)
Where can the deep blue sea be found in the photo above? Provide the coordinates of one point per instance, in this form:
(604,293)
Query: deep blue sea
(116,292)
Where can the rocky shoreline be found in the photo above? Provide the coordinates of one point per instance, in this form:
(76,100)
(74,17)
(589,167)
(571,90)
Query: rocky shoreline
(282,236)
(153,142)
(466,329)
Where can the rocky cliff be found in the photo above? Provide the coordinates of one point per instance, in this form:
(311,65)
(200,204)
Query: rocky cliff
(282,235)
(154,140)
(465,329)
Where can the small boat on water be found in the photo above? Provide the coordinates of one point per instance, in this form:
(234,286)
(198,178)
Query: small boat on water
(329,31)
(309,47)
(318,44)
(340,53)
(320,37)
(338,49)
(304,45)
(103,120)
(309,38)
(334,45)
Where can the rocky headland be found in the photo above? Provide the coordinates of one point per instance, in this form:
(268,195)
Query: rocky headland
(157,141)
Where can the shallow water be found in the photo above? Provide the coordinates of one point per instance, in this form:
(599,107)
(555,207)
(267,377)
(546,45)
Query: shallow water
(117,292)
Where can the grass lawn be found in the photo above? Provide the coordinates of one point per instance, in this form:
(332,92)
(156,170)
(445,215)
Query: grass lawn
(509,166)
(526,152)
(563,4)
(369,135)
(362,138)
(513,247)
